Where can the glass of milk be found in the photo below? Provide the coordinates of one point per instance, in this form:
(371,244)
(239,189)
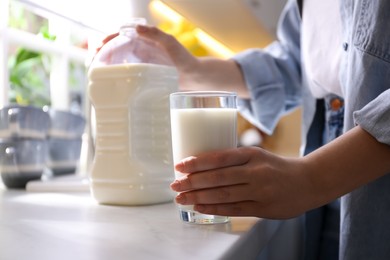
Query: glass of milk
(202,121)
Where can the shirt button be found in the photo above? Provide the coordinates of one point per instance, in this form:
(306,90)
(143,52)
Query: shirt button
(345,46)
(336,104)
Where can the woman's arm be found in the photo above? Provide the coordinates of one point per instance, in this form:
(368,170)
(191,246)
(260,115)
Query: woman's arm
(252,182)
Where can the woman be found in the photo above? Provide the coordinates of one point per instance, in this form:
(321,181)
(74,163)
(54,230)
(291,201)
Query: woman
(338,50)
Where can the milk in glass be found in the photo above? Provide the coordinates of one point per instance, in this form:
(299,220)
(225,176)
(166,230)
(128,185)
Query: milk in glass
(198,130)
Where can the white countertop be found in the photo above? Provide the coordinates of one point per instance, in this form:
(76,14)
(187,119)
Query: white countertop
(43,225)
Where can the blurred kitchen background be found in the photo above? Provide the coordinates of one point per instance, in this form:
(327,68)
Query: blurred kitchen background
(46,46)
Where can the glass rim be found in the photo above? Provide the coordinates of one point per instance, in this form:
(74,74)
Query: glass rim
(210,93)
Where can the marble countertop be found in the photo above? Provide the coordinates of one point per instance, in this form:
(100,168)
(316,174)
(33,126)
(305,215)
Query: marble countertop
(48,225)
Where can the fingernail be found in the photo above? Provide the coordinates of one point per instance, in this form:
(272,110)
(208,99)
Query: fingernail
(181,198)
(179,167)
(175,185)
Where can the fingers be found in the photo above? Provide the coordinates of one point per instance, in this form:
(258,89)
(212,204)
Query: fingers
(248,208)
(107,39)
(214,169)
(110,37)
(214,160)
(240,209)
(226,194)
(212,178)
(157,35)
(175,50)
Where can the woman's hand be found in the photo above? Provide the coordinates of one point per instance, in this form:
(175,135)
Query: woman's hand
(243,182)
(252,182)
(198,73)
(184,61)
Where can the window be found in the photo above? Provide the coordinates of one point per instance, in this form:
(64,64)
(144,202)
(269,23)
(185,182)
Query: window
(41,57)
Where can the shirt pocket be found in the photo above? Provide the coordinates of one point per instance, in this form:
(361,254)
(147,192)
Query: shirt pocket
(372,34)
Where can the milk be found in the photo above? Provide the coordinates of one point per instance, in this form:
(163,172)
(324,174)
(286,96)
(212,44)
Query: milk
(133,156)
(198,130)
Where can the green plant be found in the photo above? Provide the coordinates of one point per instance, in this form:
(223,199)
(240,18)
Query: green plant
(29,75)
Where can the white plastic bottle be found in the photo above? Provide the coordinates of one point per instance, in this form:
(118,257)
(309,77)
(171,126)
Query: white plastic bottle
(130,81)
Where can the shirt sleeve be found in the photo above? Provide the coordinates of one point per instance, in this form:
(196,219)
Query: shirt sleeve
(375,117)
(273,74)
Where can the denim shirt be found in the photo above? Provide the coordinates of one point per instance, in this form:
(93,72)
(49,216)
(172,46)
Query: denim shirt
(276,80)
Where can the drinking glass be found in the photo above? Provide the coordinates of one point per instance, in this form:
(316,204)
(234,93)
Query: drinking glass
(202,121)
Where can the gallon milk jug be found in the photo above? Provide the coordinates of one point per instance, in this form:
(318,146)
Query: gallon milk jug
(130,80)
